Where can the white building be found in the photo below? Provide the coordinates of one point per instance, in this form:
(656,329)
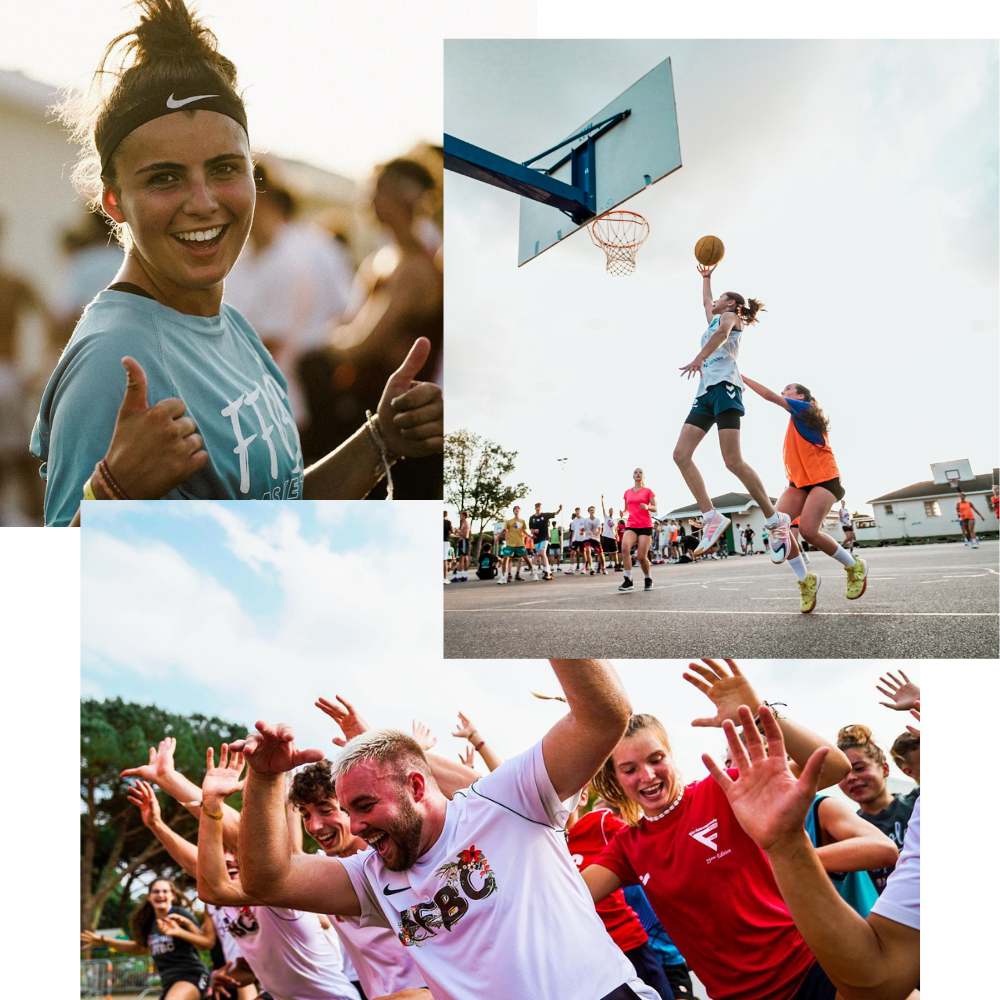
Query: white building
(926,509)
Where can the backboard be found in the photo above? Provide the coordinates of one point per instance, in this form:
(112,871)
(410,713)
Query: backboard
(636,152)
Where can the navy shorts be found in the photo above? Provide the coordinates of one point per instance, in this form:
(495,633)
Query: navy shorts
(720,404)
(816,985)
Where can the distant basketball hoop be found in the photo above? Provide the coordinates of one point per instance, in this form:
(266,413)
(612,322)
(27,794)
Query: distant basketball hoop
(619,234)
(953,477)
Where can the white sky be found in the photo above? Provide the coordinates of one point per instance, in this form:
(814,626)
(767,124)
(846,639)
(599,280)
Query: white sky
(340,84)
(854,185)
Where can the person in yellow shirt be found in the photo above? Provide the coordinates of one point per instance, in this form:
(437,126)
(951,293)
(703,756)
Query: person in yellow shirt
(514,532)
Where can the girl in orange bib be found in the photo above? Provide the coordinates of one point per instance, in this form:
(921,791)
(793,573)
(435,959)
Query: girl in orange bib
(813,488)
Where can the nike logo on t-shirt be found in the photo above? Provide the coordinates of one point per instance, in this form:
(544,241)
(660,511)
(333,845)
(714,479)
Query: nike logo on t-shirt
(392,892)
(174,104)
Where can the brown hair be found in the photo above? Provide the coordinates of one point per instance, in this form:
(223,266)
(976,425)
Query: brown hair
(312,785)
(814,418)
(858,737)
(144,917)
(746,309)
(168,46)
(902,747)
(605,783)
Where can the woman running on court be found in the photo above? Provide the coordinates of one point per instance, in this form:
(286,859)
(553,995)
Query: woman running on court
(170,932)
(711,886)
(719,401)
(640,502)
(813,488)
(205,414)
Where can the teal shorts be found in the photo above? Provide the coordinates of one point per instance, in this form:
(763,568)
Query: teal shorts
(517,551)
(720,404)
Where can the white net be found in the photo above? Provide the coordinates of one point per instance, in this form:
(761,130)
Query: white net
(619,234)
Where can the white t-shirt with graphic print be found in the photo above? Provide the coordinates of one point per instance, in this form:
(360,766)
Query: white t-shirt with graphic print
(381,964)
(497,907)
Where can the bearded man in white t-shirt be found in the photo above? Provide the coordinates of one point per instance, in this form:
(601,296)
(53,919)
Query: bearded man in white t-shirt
(481,887)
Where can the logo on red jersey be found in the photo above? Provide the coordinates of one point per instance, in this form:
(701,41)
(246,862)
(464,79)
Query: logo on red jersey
(707,834)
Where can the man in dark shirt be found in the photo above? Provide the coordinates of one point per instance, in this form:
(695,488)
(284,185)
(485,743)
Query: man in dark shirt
(538,524)
(447,546)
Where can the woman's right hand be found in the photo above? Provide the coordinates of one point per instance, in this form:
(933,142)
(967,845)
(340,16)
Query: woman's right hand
(705,271)
(90,938)
(142,796)
(153,448)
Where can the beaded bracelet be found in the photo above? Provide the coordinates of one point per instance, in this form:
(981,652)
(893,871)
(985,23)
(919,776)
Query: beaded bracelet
(119,493)
(383,452)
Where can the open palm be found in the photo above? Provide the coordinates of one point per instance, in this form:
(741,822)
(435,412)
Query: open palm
(769,802)
(345,715)
(901,691)
(271,750)
(142,796)
(222,780)
(726,689)
(161,762)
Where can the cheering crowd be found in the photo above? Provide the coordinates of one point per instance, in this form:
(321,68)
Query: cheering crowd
(583,867)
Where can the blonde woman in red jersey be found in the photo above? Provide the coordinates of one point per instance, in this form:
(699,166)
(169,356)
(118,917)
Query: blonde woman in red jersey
(640,502)
(813,488)
(711,886)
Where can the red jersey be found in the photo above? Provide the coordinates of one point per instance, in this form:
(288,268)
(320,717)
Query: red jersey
(995,504)
(714,891)
(587,839)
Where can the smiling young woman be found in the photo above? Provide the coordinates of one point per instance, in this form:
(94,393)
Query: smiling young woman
(205,413)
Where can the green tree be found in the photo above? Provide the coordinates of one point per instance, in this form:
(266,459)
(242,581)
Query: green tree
(116,849)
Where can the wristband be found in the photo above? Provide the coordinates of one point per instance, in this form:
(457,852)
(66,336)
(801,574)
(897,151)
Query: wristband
(88,491)
(382,450)
(112,483)
(478,746)
(773,706)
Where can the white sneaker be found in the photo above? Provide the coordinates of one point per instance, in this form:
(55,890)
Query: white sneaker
(446,581)
(779,536)
(713,531)
(501,580)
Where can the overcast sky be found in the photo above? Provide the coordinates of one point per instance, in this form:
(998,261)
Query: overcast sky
(855,187)
(251,611)
(341,85)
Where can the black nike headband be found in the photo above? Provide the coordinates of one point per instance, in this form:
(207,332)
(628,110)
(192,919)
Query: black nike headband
(201,95)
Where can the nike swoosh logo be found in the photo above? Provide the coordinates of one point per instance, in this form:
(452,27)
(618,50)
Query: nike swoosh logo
(174,104)
(392,892)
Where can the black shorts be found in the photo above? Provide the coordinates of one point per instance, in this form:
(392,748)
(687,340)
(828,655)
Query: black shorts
(576,546)
(609,545)
(199,979)
(591,543)
(816,985)
(641,531)
(847,528)
(831,486)
(462,547)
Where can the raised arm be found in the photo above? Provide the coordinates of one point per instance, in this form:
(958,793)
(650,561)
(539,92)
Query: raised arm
(857,845)
(142,796)
(214,884)
(178,926)
(269,870)
(729,689)
(579,743)
(706,289)
(769,394)
(869,959)
(90,939)
(466,730)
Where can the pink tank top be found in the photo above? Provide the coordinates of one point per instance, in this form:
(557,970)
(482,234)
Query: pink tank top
(638,518)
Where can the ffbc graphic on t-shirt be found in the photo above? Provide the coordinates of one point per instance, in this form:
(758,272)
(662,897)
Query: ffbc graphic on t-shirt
(268,402)
(468,880)
(245,923)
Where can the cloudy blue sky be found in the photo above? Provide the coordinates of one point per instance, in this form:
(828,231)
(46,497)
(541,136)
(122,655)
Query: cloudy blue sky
(855,187)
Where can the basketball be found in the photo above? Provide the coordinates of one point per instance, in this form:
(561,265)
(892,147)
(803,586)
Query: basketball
(709,250)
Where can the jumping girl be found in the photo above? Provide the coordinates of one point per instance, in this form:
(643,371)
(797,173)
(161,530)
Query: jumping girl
(205,413)
(640,502)
(813,488)
(685,845)
(719,401)
(172,934)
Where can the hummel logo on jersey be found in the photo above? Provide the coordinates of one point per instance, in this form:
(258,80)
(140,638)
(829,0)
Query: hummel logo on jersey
(645,878)
(731,392)
(707,834)
(173,103)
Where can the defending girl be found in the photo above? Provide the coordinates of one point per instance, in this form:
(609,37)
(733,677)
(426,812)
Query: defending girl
(166,156)
(719,401)
(813,488)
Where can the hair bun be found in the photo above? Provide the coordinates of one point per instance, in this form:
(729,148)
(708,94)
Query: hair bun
(855,733)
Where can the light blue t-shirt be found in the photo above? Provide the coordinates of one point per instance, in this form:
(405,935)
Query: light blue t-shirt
(217,365)
(720,365)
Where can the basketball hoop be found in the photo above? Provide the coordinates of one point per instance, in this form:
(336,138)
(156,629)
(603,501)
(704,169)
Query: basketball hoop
(619,234)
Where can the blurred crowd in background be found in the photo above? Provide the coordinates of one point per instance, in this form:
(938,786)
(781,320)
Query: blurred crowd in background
(338,277)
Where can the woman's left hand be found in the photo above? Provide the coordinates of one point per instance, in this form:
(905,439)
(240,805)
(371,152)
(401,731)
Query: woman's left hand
(692,368)
(411,414)
(727,691)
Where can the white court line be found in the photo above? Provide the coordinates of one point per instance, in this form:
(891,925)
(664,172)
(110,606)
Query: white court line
(791,614)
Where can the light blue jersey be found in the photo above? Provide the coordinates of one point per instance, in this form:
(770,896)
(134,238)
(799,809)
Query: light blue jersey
(720,365)
(217,365)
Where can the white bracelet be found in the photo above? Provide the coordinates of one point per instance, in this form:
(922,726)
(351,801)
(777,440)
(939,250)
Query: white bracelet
(380,445)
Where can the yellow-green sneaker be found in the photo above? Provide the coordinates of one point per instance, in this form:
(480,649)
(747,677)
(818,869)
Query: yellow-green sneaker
(807,593)
(857,579)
